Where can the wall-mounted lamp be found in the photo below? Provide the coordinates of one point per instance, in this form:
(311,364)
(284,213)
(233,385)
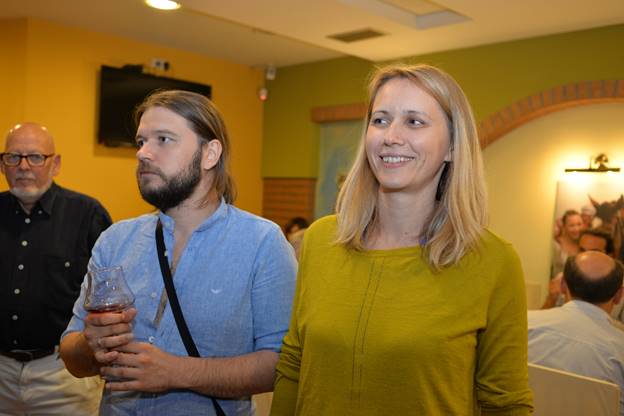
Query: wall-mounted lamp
(596,164)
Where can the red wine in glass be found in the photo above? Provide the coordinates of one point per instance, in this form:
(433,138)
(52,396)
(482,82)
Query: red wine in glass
(107,291)
(113,307)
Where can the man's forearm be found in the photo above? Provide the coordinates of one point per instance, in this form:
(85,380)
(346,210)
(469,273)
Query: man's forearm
(78,356)
(232,377)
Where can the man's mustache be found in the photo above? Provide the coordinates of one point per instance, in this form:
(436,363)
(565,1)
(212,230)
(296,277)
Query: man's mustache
(145,167)
(25,175)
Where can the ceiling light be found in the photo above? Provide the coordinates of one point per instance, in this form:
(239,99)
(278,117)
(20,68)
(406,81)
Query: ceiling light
(163,4)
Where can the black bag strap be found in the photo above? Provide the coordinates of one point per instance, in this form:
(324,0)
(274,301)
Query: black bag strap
(189,344)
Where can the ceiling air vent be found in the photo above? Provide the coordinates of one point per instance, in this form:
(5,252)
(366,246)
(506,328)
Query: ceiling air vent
(356,35)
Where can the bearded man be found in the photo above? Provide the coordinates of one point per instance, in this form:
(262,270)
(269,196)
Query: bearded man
(234,274)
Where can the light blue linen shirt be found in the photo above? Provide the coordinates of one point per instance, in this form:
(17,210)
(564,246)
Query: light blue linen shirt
(579,338)
(235,281)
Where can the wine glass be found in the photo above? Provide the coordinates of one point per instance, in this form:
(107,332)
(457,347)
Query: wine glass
(107,291)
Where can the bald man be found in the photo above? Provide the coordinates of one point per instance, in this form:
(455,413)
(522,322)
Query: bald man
(581,337)
(46,236)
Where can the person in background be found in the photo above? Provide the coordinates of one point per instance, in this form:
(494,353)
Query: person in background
(233,272)
(590,240)
(294,230)
(593,239)
(566,243)
(405,302)
(580,337)
(46,236)
(588,215)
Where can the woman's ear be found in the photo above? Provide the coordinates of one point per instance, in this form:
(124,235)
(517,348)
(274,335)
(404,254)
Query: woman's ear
(211,153)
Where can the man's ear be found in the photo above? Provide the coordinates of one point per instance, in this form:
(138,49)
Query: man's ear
(56,165)
(211,153)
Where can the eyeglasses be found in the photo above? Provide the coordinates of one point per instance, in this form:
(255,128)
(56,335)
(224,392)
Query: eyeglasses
(33,159)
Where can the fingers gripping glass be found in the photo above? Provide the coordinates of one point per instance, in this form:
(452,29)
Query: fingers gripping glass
(33,159)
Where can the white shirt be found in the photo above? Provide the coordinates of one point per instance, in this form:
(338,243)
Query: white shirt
(579,338)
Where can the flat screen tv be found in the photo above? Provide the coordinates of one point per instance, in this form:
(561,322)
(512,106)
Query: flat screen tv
(121,90)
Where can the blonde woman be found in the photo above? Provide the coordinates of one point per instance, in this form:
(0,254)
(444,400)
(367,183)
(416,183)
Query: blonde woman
(406,304)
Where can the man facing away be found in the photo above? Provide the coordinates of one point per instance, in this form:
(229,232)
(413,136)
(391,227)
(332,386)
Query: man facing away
(581,337)
(591,239)
(234,274)
(46,236)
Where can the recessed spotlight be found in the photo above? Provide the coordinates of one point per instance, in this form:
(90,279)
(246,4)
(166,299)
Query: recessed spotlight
(163,4)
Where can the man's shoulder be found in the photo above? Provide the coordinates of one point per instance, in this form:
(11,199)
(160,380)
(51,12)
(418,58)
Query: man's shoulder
(249,221)
(131,226)
(72,195)
(618,325)
(5,196)
(539,317)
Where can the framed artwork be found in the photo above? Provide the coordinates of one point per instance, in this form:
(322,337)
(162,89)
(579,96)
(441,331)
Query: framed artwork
(338,145)
(587,200)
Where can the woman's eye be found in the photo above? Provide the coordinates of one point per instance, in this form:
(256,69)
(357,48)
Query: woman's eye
(378,121)
(415,122)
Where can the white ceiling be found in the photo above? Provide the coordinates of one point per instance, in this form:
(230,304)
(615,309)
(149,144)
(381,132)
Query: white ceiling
(287,32)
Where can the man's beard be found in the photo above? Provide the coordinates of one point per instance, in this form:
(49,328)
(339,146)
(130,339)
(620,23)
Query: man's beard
(176,189)
(29,194)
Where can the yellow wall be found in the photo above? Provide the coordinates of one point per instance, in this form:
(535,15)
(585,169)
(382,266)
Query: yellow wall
(523,168)
(59,90)
(12,59)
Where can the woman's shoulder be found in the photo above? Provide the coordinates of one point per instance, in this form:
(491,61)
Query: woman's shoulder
(323,227)
(492,241)
(495,249)
(321,234)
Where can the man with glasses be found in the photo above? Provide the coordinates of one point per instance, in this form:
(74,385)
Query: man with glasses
(46,236)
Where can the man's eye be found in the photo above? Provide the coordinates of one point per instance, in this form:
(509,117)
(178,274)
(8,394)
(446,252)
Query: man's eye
(139,143)
(36,158)
(164,139)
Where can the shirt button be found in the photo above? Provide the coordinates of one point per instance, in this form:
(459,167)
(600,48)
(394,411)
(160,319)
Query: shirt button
(27,220)
(14,342)
(39,212)
(14,317)
(17,291)
(24,243)
(153,295)
(20,267)
(151,340)
(67,264)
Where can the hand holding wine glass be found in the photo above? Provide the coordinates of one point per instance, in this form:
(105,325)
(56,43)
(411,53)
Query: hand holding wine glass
(109,301)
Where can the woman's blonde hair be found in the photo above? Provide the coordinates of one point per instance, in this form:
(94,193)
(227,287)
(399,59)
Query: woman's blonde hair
(460,215)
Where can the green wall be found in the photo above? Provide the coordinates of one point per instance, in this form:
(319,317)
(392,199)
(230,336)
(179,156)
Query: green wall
(493,76)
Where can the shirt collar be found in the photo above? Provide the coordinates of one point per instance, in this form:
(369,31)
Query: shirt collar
(587,308)
(46,202)
(220,213)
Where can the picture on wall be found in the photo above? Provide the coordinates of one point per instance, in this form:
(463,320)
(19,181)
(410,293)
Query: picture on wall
(587,201)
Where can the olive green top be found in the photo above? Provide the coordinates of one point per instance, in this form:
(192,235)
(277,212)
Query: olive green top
(378,333)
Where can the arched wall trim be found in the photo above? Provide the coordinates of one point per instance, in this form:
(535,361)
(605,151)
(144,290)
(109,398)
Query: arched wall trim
(548,101)
(281,202)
